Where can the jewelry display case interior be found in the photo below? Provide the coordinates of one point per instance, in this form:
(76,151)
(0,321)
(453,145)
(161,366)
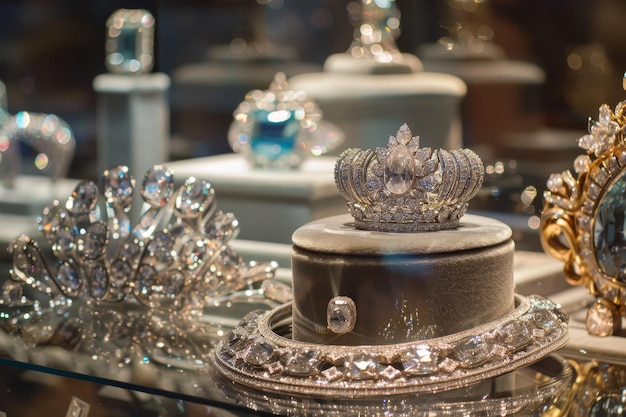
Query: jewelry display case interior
(127,302)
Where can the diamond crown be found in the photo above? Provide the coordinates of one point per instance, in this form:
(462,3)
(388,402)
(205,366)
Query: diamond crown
(405,188)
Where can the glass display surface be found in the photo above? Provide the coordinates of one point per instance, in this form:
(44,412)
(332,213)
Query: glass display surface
(161,382)
(529,390)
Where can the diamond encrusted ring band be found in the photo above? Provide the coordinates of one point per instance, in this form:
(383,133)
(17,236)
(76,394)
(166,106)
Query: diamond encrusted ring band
(259,353)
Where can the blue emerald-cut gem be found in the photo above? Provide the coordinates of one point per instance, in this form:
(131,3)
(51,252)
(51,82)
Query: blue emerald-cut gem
(274,133)
(127,43)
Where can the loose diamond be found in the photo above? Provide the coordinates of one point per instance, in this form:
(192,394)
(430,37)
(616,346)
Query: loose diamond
(341,314)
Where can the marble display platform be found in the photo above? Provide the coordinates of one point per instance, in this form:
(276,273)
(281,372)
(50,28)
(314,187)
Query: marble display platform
(270,205)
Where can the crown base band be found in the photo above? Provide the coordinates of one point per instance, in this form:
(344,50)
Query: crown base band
(408,227)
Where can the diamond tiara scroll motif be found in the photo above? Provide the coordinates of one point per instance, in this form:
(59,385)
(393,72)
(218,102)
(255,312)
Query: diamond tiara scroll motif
(405,188)
(112,291)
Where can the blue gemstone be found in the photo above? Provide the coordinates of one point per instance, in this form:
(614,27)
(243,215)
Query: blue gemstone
(609,237)
(274,133)
(127,44)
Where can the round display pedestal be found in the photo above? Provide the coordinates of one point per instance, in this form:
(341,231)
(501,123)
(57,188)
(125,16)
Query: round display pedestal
(405,286)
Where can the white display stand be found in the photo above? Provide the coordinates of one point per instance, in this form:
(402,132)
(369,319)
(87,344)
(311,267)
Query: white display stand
(371,105)
(132,121)
(205,95)
(270,205)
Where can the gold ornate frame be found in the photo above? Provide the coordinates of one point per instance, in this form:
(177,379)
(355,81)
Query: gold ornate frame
(572,223)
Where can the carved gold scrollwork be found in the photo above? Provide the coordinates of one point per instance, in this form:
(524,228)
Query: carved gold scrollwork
(558,239)
(584,220)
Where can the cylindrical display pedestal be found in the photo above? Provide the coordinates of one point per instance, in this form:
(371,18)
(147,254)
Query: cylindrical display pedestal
(405,286)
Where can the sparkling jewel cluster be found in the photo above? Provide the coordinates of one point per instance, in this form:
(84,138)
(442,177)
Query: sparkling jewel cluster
(580,212)
(376,24)
(280,127)
(405,188)
(129,43)
(111,290)
(48,135)
(255,353)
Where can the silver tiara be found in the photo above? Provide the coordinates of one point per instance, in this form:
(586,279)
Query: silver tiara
(112,289)
(405,188)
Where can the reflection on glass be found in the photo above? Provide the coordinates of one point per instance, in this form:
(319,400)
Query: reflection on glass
(78,408)
(609,406)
